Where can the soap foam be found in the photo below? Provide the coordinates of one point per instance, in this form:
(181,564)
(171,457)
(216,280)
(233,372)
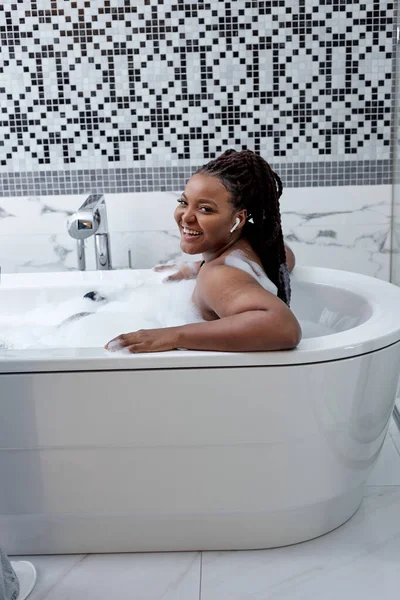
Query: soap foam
(145,304)
(239,260)
(60,324)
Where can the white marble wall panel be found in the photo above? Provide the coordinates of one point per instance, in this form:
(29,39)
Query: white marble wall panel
(345,227)
(395,267)
(361,248)
(340,227)
(34,253)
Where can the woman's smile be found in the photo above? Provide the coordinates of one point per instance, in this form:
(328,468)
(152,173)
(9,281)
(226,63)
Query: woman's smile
(204,215)
(190,234)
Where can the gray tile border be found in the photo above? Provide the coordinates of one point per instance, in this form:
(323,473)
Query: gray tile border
(49,183)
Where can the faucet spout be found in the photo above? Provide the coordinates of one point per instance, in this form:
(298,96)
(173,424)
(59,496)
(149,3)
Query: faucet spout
(91,219)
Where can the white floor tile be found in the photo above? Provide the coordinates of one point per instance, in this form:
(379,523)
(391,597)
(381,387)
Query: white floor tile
(50,570)
(166,576)
(387,468)
(356,561)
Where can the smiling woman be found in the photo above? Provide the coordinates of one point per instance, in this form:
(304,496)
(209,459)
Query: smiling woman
(229,212)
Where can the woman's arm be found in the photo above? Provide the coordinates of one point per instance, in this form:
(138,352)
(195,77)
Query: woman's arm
(251,331)
(247,319)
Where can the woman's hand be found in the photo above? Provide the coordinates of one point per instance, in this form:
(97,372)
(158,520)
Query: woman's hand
(145,340)
(184,271)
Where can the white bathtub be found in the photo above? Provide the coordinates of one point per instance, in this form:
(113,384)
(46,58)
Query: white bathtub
(184,450)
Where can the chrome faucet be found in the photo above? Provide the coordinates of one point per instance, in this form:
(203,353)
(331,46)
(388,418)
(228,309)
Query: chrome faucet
(91,219)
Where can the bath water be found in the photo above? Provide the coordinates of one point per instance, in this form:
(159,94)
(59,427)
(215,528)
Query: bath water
(79,322)
(53,324)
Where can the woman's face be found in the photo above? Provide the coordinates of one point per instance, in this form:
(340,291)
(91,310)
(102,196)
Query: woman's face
(205,215)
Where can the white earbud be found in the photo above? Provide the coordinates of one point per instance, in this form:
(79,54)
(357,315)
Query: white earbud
(236,225)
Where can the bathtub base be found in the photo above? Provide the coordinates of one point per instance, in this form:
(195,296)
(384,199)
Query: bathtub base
(78,534)
(163,468)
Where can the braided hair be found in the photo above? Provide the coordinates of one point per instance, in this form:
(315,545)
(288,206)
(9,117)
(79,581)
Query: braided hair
(254,186)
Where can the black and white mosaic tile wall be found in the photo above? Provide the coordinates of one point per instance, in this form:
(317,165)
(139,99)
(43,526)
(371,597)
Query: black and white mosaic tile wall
(133,95)
(395,233)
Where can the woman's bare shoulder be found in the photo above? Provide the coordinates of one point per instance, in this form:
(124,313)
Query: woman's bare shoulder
(215,281)
(219,280)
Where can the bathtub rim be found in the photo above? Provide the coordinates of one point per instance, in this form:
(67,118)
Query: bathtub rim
(379,331)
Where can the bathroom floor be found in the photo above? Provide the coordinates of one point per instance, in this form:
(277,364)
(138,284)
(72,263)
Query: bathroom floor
(358,560)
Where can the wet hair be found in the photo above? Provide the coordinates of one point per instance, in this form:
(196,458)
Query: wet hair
(254,186)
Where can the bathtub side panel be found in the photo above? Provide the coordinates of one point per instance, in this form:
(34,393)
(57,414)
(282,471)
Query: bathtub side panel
(189,459)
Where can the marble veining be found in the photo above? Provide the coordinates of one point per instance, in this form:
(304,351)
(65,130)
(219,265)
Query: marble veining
(367,210)
(361,249)
(355,561)
(4,214)
(348,229)
(157,576)
(49,209)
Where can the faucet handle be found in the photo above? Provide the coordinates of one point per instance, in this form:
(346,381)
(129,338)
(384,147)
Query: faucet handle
(92,201)
(83,224)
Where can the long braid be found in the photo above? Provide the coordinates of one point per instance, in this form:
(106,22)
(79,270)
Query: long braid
(254,186)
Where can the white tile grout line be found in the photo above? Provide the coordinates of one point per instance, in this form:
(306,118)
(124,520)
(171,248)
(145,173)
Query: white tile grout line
(388,437)
(393,425)
(394,443)
(201,573)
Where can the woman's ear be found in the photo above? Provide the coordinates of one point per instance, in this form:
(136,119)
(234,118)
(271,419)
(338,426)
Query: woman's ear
(240,220)
(242,215)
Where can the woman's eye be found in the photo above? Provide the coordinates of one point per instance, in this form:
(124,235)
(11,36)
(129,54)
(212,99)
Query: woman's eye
(206,209)
(181,202)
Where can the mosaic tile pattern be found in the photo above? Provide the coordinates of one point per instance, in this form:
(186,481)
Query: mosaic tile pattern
(124,85)
(315,174)
(396,118)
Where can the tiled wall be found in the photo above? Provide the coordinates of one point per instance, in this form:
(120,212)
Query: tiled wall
(129,97)
(395,243)
(338,227)
(124,95)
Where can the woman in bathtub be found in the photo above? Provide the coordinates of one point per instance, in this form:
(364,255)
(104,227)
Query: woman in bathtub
(229,213)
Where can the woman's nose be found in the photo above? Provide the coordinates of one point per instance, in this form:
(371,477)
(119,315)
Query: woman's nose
(188,216)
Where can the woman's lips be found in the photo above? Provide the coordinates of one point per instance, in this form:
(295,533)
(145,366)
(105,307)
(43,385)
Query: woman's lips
(190,234)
